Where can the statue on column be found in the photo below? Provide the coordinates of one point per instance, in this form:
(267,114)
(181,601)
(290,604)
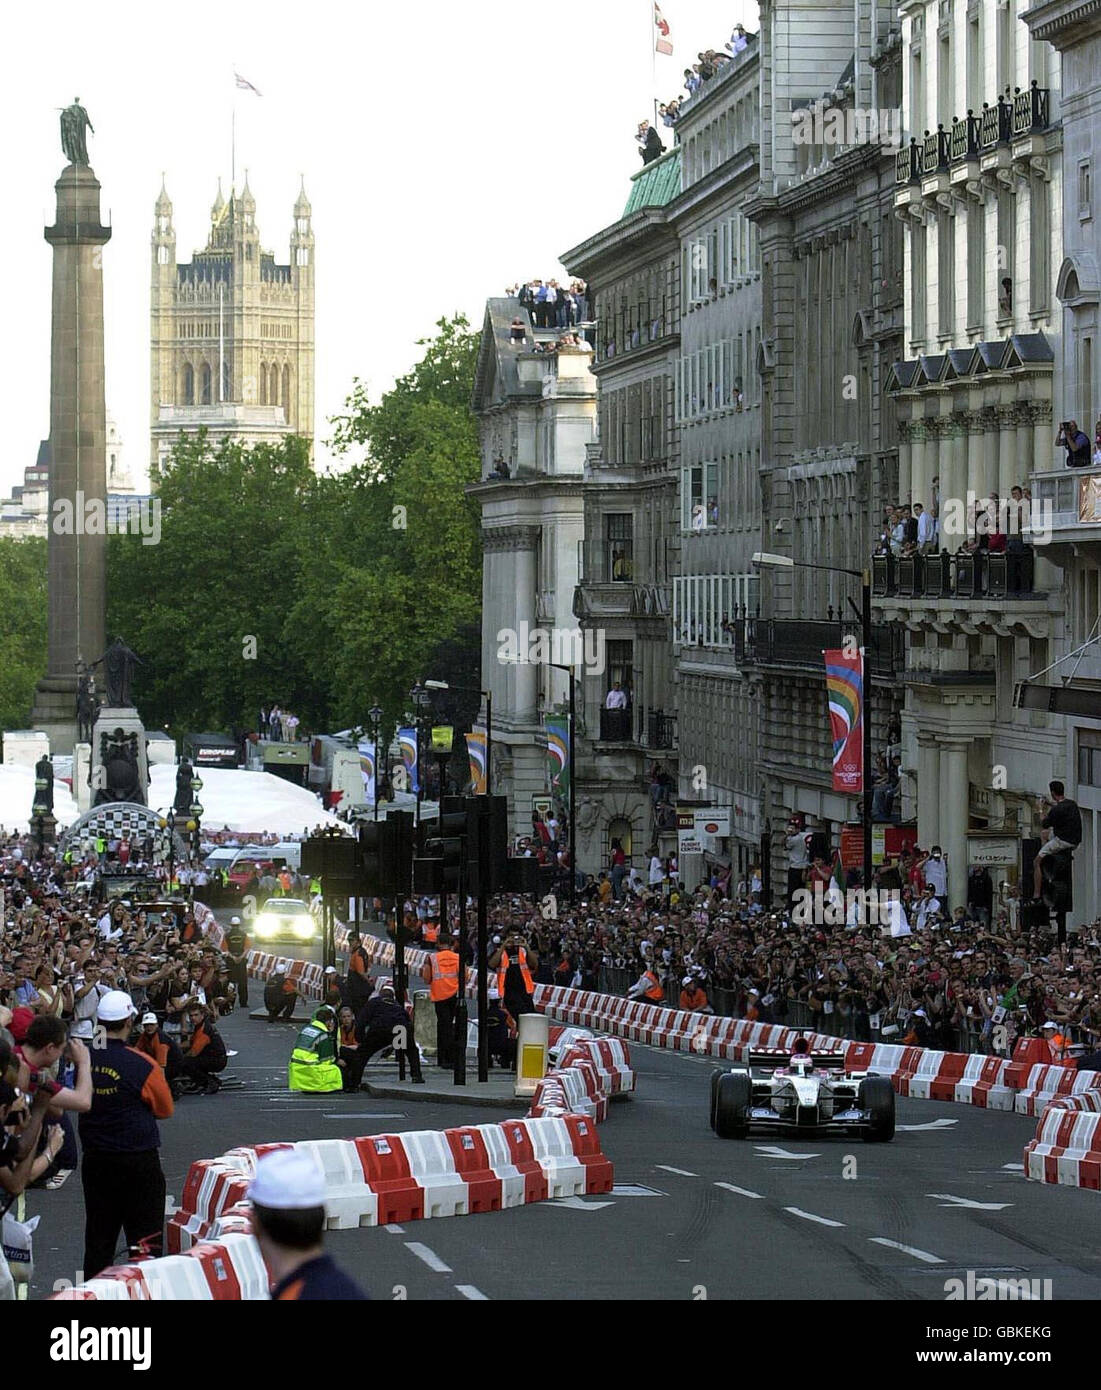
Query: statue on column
(118,663)
(182,803)
(44,796)
(74,143)
(85,703)
(121,773)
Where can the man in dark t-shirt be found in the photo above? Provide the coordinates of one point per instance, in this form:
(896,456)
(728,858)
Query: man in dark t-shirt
(1061,829)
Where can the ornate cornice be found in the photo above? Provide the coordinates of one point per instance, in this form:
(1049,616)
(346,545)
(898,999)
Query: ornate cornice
(510,537)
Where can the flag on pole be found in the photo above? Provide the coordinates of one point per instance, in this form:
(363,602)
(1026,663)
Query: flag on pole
(558,753)
(661,24)
(476,752)
(244,85)
(407,738)
(845,692)
(367,767)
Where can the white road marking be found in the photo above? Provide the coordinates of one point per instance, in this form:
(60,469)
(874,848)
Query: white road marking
(578,1204)
(1013,1167)
(907,1250)
(394,1229)
(741,1191)
(932,1124)
(767,1151)
(364,1115)
(636,1190)
(469,1291)
(680,1172)
(946,1199)
(810,1216)
(431,1259)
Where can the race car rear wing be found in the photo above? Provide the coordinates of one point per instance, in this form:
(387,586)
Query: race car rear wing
(780,1057)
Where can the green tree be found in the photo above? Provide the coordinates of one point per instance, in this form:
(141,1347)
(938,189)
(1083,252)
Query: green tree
(392,565)
(206,608)
(23,644)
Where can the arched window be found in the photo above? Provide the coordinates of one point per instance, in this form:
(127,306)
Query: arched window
(273,386)
(263,383)
(204,389)
(620,829)
(286,396)
(188,384)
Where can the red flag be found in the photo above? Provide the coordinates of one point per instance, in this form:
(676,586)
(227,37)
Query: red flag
(662,44)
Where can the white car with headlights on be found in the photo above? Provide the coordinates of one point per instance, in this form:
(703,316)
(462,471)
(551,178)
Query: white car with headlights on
(285,919)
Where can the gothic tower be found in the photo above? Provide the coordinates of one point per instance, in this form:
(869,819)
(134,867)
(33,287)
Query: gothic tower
(232,331)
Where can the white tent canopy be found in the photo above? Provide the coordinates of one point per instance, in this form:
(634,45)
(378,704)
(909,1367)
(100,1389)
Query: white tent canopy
(233,799)
(17,798)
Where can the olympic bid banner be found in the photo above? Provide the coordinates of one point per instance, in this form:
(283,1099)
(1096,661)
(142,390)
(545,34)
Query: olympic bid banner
(407,738)
(845,692)
(367,767)
(476,753)
(558,752)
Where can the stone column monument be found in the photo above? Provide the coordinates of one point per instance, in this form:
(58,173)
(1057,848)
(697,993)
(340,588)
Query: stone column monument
(78,439)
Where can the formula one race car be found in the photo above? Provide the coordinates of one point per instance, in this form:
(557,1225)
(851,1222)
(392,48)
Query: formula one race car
(812,1094)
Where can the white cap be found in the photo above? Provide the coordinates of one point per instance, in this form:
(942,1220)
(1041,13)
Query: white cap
(235,921)
(115,1006)
(330,970)
(148,1018)
(687,980)
(920,1013)
(1049,1024)
(493,992)
(287,1181)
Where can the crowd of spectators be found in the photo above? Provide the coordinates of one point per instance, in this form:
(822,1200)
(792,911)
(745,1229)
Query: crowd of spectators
(945,983)
(708,64)
(550,304)
(278,725)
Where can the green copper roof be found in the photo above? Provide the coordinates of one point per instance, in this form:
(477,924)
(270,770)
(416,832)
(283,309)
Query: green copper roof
(656,184)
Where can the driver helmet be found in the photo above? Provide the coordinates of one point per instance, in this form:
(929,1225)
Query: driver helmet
(235,921)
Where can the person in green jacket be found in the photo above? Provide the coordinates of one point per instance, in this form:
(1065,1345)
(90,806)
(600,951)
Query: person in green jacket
(312,1066)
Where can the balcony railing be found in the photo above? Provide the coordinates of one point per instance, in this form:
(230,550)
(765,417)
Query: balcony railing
(615,726)
(967,574)
(995,123)
(934,154)
(908,164)
(661,729)
(798,642)
(1030,109)
(964,140)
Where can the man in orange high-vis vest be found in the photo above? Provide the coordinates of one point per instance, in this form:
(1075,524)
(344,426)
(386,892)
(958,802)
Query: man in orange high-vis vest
(648,986)
(514,963)
(430,933)
(442,973)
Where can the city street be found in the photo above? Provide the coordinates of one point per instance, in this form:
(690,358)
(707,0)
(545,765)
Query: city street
(759,1219)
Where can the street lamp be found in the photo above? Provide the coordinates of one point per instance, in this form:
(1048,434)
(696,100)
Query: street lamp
(472,690)
(765,560)
(374,714)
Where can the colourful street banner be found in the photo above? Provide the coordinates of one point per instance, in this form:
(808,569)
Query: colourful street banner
(367,767)
(476,752)
(844,690)
(558,752)
(407,738)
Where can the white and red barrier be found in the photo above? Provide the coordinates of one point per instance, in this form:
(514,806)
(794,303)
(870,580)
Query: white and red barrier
(230,1270)
(379,1179)
(1067,1147)
(1042,1084)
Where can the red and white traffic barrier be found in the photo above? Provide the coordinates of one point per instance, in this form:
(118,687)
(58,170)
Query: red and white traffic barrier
(1066,1149)
(1043,1083)
(230,1270)
(380,1179)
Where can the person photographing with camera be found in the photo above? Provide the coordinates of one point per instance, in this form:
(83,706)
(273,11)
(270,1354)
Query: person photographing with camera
(1077,444)
(515,963)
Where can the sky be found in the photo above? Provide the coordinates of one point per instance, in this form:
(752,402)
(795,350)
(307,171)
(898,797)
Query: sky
(448,149)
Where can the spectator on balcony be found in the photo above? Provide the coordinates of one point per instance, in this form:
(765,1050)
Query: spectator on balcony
(699,520)
(668,111)
(621,565)
(517,332)
(691,80)
(738,40)
(925,530)
(616,698)
(649,143)
(1005,298)
(618,869)
(1076,443)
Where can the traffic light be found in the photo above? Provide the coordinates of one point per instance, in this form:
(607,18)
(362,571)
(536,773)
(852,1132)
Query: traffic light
(438,867)
(487,843)
(386,853)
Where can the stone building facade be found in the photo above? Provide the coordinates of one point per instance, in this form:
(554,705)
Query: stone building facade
(537,418)
(231,331)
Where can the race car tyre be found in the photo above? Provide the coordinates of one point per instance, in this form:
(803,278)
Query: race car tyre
(716,1076)
(732,1106)
(877,1096)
